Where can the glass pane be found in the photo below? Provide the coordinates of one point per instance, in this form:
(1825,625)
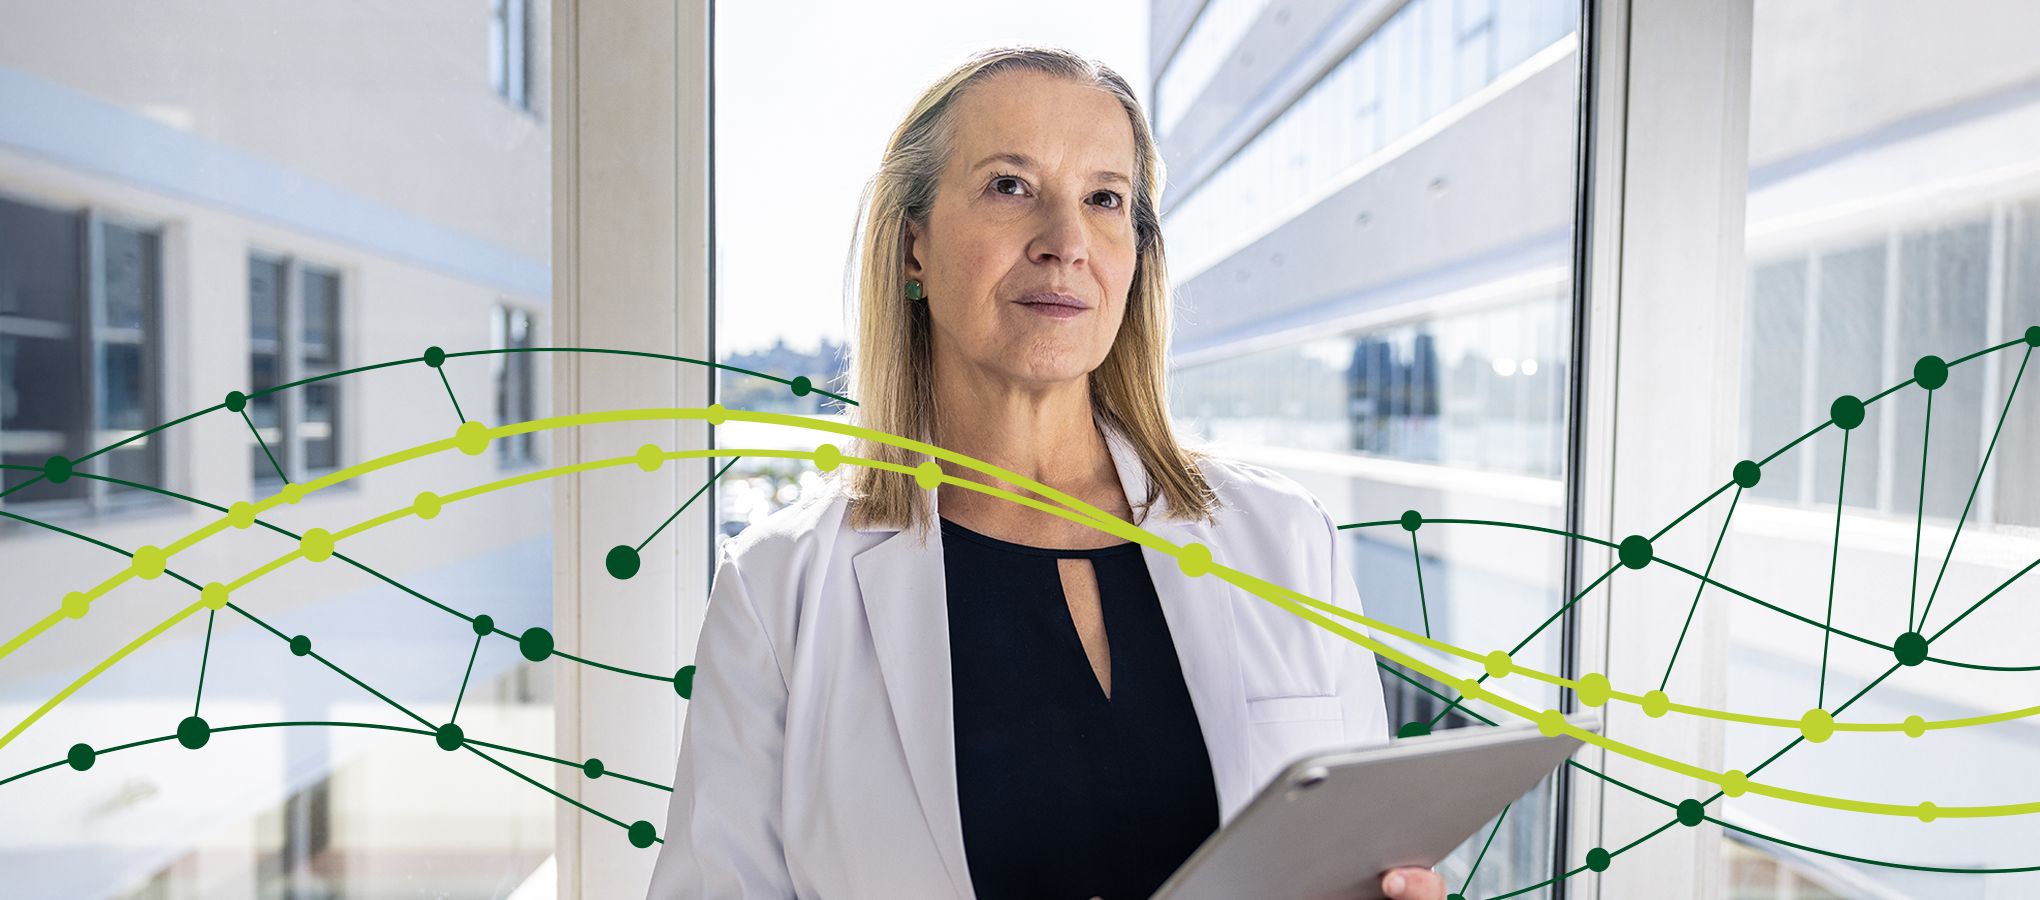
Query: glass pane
(363,145)
(1885,225)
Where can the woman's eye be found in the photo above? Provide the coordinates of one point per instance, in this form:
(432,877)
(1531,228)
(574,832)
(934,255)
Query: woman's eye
(1002,182)
(1108,199)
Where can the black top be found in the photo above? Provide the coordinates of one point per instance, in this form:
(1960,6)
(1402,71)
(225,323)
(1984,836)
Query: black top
(1065,793)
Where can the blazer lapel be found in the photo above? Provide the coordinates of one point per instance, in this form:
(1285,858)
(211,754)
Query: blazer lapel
(905,593)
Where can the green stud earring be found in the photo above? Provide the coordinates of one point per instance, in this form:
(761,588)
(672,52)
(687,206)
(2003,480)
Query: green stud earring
(914,290)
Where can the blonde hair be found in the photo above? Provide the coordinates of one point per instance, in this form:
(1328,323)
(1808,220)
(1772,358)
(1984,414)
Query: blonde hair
(891,371)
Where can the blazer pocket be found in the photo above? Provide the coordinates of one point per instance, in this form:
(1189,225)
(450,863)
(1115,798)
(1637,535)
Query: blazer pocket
(1297,708)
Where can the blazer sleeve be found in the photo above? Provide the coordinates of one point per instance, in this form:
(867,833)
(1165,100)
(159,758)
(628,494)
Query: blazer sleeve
(723,828)
(1359,680)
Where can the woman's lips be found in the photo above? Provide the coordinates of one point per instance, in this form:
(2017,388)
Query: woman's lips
(1053,305)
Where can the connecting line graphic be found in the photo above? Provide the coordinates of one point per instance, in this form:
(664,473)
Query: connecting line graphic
(1634,551)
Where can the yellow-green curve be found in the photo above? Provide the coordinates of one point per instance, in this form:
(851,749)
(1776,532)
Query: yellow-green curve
(474,441)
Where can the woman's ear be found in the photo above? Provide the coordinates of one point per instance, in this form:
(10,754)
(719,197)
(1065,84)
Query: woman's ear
(910,247)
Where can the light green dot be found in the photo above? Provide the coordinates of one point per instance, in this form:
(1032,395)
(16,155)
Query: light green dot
(1551,723)
(1817,725)
(426,504)
(241,514)
(1928,811)
(1471,689)
(148,561)
(1194,559)
(213,595)
(717,414)
(317,544)
(76,605)
(928,474)
(1593,689)
(1498,664)
(649,457)
(292,492)
(828,457)
(472,437)
(1656,704)
(1915,726)
(1734,783)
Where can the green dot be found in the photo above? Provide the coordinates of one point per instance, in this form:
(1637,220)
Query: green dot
(642,834)
(1634,551)
(828,457)
(1910,648)
(1691,813)
(535,643)
(1915,726)
(317,544)
(427,505)
(1194,560)
(1656,704)
(1748,473)
(1734,783)
(649,457)
(472,437)
(484,625)
(1597,859)
(1551,723)
(76,605)
(1497,664)
(81,757)
(1931,372)
(148,561)
(592,768)
(2033,336)
(1928,811)
(928,474)
(300,646)
(717,414)
(1455,897)
(435,357)
(1847,412)
(213,595)
(1593,689)
(1412,520)
(1817,725)
(683,682)
(622,562)
(801,385)
(1413,729)
(57,469)
(241,514)
(449,736)
(292,492)
(236,401)
(193,732)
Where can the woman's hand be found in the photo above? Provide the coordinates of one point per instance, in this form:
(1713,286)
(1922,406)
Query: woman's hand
(1413,884)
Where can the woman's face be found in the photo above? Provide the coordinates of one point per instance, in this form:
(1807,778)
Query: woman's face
(1036,201)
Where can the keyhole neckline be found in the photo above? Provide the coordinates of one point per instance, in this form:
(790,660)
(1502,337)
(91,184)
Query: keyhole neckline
(951,528)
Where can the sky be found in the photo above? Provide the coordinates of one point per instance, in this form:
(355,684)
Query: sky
(807,93)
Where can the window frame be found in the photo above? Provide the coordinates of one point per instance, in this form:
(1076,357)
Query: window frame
(291,368)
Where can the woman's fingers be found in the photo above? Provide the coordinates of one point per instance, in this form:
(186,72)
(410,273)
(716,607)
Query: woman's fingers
(1413,884)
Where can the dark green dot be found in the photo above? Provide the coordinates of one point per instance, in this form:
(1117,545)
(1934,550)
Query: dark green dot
(1691,813)
(236,401)
(1847,411)
(801,385)
(1412,520)
(1635,551)
(2033,336)
(449,736)
(435,357)
(1931,372)
(483,624)
(1748,473)
(1910,648)
(1597,859)
(683,682)
(1413,729)
(81,757)
(193,732)
(622,561)
(592,768)
(1455,897)
(300,645)
(536,644)
(57,469)
(642,834)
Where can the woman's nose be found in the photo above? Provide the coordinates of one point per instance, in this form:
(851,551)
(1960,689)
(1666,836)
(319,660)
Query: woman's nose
(1062,236)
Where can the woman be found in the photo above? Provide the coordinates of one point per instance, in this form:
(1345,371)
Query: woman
(915,693)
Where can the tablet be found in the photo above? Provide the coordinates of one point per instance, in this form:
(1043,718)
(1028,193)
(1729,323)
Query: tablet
(1332,823)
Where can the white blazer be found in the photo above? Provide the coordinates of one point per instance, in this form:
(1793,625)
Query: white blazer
(817,759)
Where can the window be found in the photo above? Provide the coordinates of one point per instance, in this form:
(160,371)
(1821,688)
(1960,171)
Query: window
(510,329)
(508,40)
(79,312)
(293,334)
